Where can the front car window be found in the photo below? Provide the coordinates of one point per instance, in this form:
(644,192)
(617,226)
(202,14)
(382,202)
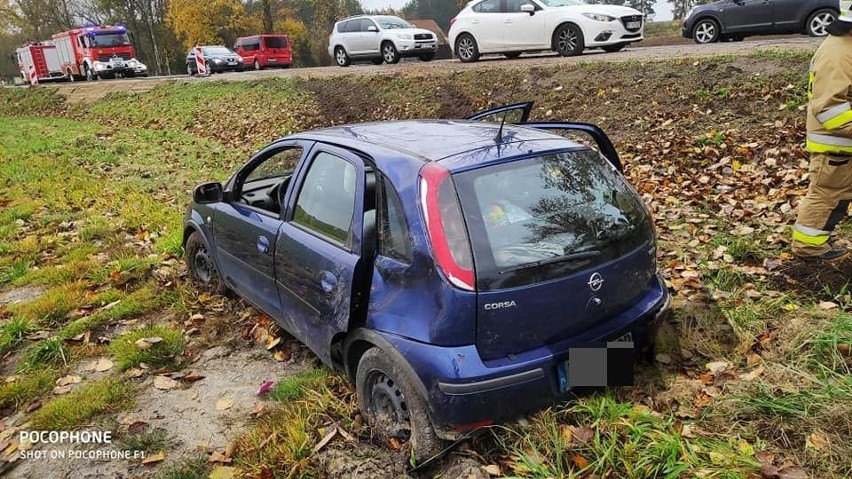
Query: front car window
(393,23)
(109,39)
(326,202)
(568,204)
(280,164)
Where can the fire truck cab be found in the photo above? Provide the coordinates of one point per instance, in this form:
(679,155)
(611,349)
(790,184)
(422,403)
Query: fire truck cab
(97,52)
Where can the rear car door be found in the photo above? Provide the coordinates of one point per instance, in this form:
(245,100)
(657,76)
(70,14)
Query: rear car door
(522,29)
(789,14)
(487,25)
(318,252)
(746,16)
(246,227)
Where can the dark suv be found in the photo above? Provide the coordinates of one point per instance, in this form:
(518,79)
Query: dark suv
(734,20)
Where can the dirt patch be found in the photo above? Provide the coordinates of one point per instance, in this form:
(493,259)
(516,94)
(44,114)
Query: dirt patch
(813,280)
(20,295)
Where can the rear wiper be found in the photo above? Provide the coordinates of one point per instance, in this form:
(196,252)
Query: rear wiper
(556,259)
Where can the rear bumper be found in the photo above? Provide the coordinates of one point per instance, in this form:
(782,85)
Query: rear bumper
(464,392)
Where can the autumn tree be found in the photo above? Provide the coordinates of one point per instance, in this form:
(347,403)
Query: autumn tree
(209,22)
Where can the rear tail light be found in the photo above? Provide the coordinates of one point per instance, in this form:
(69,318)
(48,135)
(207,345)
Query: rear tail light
(446,227)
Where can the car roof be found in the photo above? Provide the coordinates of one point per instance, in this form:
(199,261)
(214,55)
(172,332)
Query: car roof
(434,140)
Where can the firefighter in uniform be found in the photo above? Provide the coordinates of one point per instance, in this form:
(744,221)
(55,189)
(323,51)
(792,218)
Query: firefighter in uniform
(829,142)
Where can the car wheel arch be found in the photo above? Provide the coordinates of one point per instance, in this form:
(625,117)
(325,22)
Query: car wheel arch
(719,24)
(360,340)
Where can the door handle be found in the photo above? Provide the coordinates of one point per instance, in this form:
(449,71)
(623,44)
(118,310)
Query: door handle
(475,22)
(328,282)
(262,244)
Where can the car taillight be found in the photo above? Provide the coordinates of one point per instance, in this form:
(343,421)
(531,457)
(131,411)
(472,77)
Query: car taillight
(446,227)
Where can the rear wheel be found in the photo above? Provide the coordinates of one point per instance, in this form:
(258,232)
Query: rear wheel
(189,70)
(614,48)
(818,22)
(706,31)
(69,75)
(391,405)
(201,265)
(568,40)
(341,57)
(466,48)
(389,53)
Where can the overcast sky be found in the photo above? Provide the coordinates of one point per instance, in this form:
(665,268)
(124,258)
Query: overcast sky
(663,9)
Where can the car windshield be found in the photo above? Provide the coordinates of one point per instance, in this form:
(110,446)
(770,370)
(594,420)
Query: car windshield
(217,51)
(393,23)
(110,39)
(562,3)
(552,212)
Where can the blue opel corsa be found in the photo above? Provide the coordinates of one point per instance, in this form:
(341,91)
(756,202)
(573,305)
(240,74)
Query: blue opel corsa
(461,272)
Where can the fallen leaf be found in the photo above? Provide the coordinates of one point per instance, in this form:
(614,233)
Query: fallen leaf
(165,383)
(265,387)
(224,404)
(137,426)
(827,305)
(752,375)
(231,449)
(142,344)
(325,440)
(580,461)
(272,343)
(101,365)
(663,358)
(258,408)
(583,435)
(717,366)
(817,441)
(492,469)
(281,355)
(154,458)
(223,472)
(135,373)
(191,378)
(792,472)
(60,390)
(394,443)
(218,457)
(567,434)
(70,379)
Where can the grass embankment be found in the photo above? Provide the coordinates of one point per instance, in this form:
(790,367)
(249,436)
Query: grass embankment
(754,362)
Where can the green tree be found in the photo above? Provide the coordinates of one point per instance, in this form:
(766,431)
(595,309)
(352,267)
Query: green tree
(442,11)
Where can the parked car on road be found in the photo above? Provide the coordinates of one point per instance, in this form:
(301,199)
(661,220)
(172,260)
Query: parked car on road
(380,39)
(512,27)
(452,268)
(219,59)
(265,51)
(737,19)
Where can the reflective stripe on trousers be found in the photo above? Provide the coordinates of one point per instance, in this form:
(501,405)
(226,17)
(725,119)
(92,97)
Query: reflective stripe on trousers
(811,236)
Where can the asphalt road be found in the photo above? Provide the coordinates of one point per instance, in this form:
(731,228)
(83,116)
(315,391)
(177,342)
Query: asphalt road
(89,91)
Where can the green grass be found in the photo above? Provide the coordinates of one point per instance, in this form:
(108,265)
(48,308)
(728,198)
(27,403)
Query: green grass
(163,353)
(663,29)
(150,441)
(195,467)
(83,404)
(13,333)
(27,388)
(294,388)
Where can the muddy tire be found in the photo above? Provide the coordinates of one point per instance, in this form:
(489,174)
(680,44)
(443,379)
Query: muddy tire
(202,269)
(466,48)
(818,22)
(706,31)
(568,40)
(341,57)
(391,405)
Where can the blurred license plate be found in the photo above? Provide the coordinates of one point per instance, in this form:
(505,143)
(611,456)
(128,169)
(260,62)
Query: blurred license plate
(634,24)
(272,60)
(606,364)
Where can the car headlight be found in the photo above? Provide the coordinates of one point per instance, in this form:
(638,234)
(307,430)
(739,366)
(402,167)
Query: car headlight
(132,63)
(599,17)
(217,61)
(405,36)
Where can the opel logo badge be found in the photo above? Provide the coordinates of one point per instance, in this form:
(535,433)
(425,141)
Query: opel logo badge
(595,282)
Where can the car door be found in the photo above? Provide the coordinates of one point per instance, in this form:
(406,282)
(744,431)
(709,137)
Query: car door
(583,133)
(319,247)
(487,25)
(513,113)
(370,39)
(522,30)
(245,228)
(742,16)
(788,15)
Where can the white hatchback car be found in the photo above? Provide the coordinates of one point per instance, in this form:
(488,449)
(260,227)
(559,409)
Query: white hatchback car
(568,27)
(379,38)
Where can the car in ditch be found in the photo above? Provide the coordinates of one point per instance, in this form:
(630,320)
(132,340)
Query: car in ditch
(568,27)
(733,20)
(218,59)
(461,272)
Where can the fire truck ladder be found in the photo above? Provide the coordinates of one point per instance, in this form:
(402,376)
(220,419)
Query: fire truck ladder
(39,61)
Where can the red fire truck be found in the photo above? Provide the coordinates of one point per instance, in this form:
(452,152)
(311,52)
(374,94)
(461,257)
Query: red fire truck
(97,52)
(40,60)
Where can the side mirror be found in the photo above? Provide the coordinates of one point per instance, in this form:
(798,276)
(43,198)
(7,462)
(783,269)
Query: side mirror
(373,28)
(208,193)
(529,8)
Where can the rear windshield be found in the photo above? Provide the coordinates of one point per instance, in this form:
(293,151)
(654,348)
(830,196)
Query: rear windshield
(544,217)
(275,42)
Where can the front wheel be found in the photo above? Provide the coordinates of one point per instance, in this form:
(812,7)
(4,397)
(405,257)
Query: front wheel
(819,21)
(706,31)
(201,266)
(466,48)
(341,57)
(569,40)
(90,75)
(257,64)
(389,53)
(391,405)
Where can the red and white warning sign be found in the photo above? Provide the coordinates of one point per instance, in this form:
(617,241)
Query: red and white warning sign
(200,64)
(33,75)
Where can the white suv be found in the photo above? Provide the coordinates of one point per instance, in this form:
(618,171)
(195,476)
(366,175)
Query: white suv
(512,27)
(379,38)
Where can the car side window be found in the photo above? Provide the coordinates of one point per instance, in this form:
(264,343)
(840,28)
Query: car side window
(366,23)
(488,6)
(326,202)
(394,239)
(279,164)
(514,6)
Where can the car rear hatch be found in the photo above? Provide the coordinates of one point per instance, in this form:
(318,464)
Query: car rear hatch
(277,47)
(560,244)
